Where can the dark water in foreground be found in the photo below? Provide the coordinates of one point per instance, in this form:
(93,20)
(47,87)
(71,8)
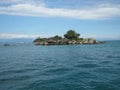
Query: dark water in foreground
(67,67)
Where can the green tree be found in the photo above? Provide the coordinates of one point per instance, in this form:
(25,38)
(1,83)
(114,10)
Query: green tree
(38,39)
(57,37)
(81,39)
(71,34)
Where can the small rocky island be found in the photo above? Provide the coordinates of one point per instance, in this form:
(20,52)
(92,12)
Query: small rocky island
(71,37)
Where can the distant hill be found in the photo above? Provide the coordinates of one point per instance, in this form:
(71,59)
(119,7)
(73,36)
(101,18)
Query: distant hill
(13,41)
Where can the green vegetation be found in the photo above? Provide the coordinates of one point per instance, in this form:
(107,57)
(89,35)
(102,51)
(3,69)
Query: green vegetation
(40,39)
(56,37)
(71,37)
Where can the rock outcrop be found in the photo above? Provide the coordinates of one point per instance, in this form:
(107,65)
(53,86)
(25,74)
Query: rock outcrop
(70,38)
(68,42)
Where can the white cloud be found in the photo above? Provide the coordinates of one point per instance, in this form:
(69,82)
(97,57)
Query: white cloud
(12,36)
(11,2)
(22,8)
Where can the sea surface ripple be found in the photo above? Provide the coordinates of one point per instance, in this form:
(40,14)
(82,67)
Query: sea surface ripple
(62,67)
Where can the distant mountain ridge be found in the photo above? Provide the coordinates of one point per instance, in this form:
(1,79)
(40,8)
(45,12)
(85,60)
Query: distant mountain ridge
(13,41)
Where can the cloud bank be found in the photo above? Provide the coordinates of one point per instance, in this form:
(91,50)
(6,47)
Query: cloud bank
(39,9)
(12,36)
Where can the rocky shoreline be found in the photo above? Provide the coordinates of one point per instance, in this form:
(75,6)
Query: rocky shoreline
(68,42)
(70,38)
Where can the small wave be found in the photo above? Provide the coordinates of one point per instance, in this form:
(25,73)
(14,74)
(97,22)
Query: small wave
(90,58)
(102,86)
(106,62)
(16,71)
(118,64)
(57,71)
(111,56)
(107,71)
(87,65)
(15,78)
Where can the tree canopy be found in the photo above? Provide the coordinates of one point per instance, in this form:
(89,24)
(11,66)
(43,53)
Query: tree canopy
(71,34)
(57,37)
(39,39)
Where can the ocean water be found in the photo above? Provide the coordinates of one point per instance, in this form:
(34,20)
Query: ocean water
(62,67)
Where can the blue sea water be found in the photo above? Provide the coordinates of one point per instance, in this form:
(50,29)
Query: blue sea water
(62,67)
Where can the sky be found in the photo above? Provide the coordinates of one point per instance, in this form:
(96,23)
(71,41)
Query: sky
(98,19)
